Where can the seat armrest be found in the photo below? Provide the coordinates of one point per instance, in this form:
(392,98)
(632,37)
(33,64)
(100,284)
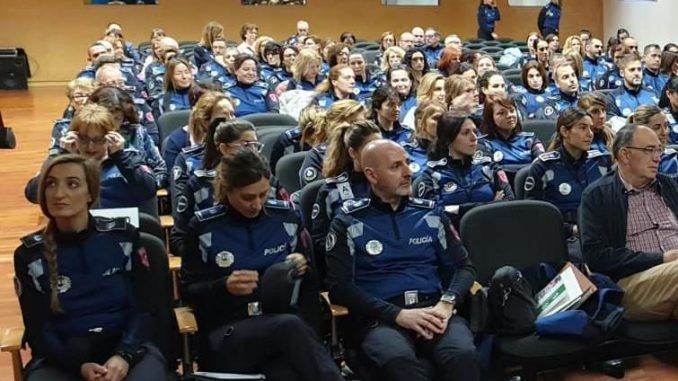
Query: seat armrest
(336,309)
(186,320)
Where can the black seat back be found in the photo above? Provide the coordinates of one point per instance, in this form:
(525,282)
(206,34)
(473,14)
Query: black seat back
(170,121)
(519,182)
(287,170)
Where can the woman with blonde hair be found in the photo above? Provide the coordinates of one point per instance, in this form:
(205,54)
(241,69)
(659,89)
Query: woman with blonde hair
(77,91)
(393,57)
(386,40)
(426,117)
(339,84)
(573,44)
(431,87)
(80,272)
(343,111)
(292,140)
(203,53)
(306,71)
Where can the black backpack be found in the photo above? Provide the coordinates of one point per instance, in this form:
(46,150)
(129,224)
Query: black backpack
(512,307)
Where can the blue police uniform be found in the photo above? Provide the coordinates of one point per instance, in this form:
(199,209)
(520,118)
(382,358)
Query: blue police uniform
(155,78)
(549,19)
(288,142)
(186,162)
(138,138)
(672,116)
(126,181)
(202,55)
(175,100)
(654,81)
(626,101)
(303,84)
(312,167)
(406,105)
(147,120)
(669,163)
(599,143)
(511,154)
(59,130)
(279,75)
(594,69)
(610,80)
(213,71)
(417,152)
(397,133)
(530,101)
(556,177)
(266,71)
(555,104)
(366,86)
(487,17)
(326,100)
(466,183)
(100,282)
(381,260)
(250,99)
(432,54)
(220,241)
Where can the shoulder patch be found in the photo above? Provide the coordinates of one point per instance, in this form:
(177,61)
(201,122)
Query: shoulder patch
(205,173)
(342,178)
(211,213)
(261,84)
(277,204)
(351,206)
(548,156)
(104,224)
(193,149)
(440,163)
(526,134)
(421,203)
(669,151)
(596,153)
(481,159)
(33,239)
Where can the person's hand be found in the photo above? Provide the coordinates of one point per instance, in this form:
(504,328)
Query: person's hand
(92,371)
(494,35)
(463,103)
(425,322)
(242,282)
(499,195)
(670,255)
(69,142)
(443,311)
(115,141)
(299,262)
(117,369)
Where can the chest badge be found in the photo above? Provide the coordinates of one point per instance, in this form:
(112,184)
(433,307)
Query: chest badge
(564,189)
(224,259)
(498,156)
(63,283)
(415,167)
(450,187)
(374,247)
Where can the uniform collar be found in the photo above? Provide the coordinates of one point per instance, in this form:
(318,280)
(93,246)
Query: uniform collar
(72,237)
(386,207)
(533,91)
(649,72)
(570,160)
(631,91)
(464,163)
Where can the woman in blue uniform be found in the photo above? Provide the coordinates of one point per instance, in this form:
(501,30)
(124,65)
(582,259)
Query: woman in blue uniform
(249,94)
(80,282)
(417,64)
(455,177)
(305,71)
(533,96)
(292,140)
(339,84)
(126,181)
(203,52)
(228,249)
(385,110)
(595,104)
(344,179)
(653,117)
(178,83)
(669,102)
(561,175)
(488,15)
(549,18)
(224,137)
(426,118)
(503,139)
(401,80)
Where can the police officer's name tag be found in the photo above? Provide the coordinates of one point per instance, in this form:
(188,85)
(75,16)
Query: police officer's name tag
(374,247)
(411,298)
(254,309)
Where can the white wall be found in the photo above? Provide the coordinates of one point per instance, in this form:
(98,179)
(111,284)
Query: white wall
(648,21)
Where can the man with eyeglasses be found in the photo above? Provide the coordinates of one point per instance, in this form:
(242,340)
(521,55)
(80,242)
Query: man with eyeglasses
(631,94)
(433,48)
(406,41)
(629,228)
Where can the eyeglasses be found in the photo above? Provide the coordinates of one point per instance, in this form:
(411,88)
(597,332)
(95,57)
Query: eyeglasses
(652,151)
(85,141)
(254,146)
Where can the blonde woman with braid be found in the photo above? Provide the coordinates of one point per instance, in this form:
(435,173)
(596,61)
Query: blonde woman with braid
(78,283)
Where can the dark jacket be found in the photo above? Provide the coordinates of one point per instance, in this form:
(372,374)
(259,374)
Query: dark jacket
(603,220)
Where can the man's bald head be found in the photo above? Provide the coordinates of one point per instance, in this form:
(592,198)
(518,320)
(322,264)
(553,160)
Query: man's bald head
(386,166)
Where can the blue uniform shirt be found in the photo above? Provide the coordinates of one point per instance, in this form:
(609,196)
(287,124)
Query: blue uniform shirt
(406,105)
(398,133)
(416,151)
(673,125)
(312,167)
(155,77)
(625,101)
(530,102)
(251,99)
(610,80)
(512,154)
(669,163)
(654,82)
(214,72)
(594,69)
(487,17)
(367,86)
(549,17)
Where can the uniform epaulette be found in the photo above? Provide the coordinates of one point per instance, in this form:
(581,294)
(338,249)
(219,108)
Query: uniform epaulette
(352,206)
(437,163)
(211,213)
(33,239)
(481,159)
(548,156)
(597,153)
(293,133)
(669,151)
(261,84)
(139,101)
(342,178)
(229,85)
(207,173)
(62,120)
(482,136)
(421,203)
(526,133)
(272,203)
(192,149)
(105,224)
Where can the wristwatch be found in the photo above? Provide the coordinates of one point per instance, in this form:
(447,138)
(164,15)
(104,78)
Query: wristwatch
(449,298)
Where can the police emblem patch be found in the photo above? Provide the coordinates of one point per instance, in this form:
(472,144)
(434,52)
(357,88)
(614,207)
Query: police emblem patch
(315,212)
(176,173)
(330,241)
(63,283)
(182,204)
(374,247)
(529,183)
(224,259)
(564,189)
(421,189)
(498,156)
(450,187)
(310,174)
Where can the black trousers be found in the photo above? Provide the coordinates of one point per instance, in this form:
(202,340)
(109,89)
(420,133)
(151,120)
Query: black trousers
(281,346)
(395,352)
(151,367)
(485,34)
